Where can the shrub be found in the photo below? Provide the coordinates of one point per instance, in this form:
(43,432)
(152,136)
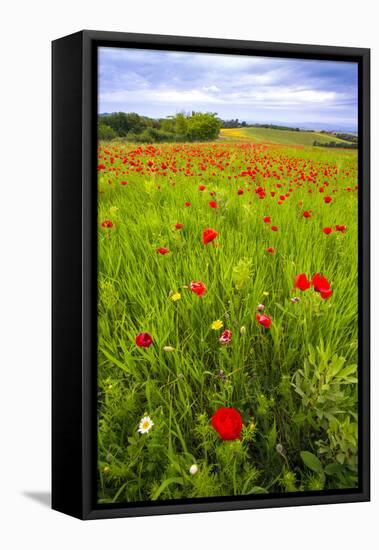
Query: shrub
(105,132)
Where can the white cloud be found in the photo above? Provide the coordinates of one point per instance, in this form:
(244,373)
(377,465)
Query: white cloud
(211,88)
(264,97)
(160,83)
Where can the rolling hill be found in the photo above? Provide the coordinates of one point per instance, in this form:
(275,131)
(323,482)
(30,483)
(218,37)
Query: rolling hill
(282,137)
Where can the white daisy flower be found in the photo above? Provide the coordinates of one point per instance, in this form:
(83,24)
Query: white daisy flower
(194,469)
(145,425)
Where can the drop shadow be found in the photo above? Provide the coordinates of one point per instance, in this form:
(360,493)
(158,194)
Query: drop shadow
(41,497)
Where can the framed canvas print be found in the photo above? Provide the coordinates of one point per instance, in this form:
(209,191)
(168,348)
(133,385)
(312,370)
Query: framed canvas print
(210,274)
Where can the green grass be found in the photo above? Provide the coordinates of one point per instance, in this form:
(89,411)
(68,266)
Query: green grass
(294,384)
(283,137)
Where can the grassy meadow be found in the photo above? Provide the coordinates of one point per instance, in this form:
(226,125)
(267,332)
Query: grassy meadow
(283,137)
(279,210)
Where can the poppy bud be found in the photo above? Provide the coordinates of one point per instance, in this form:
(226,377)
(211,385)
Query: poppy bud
(193,469)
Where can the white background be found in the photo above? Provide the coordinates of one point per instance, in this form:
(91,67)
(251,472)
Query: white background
(27,29)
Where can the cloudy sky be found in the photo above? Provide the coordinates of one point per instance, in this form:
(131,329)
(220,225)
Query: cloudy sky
(255,89)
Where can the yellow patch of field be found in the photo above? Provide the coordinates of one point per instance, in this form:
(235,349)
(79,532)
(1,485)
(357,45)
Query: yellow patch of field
(274,136)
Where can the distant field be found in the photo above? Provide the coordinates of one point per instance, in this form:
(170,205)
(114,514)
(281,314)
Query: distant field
(283,137)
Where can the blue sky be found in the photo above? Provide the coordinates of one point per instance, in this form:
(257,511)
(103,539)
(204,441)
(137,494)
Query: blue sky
(255,89)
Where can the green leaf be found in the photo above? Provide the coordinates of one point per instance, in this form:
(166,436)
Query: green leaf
(333,469)
(311,461)
(312,355)
(348,371)
(285,311)
(241,273)
(271,438)
(164,486)
(114,360)
(299,418)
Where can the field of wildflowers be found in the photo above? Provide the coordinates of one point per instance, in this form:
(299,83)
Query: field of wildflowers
(227,320)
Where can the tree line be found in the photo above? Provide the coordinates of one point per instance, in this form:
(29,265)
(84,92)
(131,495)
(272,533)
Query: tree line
(141,129)
(345,136)
(337,144)
(236,123)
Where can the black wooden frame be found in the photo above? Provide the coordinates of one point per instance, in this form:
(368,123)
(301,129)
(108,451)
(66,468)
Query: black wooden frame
(74,385)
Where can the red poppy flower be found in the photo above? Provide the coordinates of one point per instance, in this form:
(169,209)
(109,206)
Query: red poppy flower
(108,224)
(209,235)
(301,282)
(263,320)
(306,214)
(267,219)
(226,337)
(274,228)
(240,192)
(322,285)
(327,230)
(187,203)
(201,187)
(228,423)
(198,288)
(144,340)
(341,228)
(325,294)
(260,192)
(123,183)
(270,250)
(178,225)
(328,199)
(101,167)
(320,282)
(163,251)
(213,204)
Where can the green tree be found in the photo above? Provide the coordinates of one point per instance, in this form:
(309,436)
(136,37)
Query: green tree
(203,126)
(181,124)
(105,132)
(167,124)
(122,123)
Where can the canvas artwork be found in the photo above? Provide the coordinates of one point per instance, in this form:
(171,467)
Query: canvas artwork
(227,276)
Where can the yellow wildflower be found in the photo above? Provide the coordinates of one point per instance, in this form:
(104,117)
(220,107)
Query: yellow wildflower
(175,297)
(216,325)
(252,425)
